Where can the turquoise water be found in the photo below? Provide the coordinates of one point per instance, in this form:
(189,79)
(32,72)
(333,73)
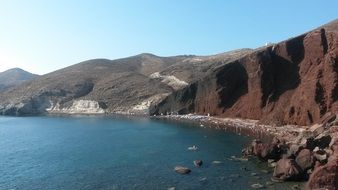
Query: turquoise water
(88,152)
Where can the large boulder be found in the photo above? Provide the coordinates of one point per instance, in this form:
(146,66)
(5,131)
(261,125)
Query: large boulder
(305,159)
(325,177)
(266,151)
(294,150)
(256,147)
(309,143)
(322,140)
(287,170)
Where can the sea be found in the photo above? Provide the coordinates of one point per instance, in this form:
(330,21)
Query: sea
(111,152)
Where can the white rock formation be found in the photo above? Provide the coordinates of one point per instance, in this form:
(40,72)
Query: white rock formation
(170,80)
(78,107)
(144,106)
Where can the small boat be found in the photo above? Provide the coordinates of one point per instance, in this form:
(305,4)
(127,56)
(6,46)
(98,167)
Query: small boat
(193,147)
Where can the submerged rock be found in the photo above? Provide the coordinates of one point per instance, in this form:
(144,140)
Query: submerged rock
(198,163)
(182,170)
(257,186)
(217,162)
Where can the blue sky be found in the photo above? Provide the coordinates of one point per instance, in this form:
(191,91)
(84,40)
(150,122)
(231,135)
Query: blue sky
(42,36)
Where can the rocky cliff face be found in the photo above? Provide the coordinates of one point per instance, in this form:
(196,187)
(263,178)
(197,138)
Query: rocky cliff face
(294,82)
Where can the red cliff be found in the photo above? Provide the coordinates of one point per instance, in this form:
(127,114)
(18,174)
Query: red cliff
(292,82)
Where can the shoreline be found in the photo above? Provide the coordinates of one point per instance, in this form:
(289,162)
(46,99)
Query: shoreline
(296,153)
(244,127)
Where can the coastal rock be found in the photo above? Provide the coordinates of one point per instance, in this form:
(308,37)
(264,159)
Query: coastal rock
(294,150)
(334,139)
(320,156)
(182,170)
(272,150)
(322,140)
(272,163)
(324,177)
(310,143)
(287,170)
(328,118)
(198,163)
(305,159)
(256,147)
(266,151)
(317,129)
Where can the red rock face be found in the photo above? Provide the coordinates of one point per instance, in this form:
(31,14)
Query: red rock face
(324,177)
(292,82)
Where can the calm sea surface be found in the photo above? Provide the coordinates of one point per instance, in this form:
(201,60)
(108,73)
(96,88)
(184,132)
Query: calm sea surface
(93,152)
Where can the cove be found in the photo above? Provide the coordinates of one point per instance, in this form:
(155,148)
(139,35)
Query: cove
(98,152)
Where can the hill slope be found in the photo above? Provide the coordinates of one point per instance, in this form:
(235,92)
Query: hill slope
(128,85)
(13,77)
(294,82)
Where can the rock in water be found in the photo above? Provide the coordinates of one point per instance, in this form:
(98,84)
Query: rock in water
(257,186)
(217,162)
(286,170)
(198,163)
(182,170)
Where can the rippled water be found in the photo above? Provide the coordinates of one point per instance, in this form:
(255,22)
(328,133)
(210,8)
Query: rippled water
(88,152)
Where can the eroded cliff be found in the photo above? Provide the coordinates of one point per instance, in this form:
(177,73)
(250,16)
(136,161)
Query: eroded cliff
(292,82)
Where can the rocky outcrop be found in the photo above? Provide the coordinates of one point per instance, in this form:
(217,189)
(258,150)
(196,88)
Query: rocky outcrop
(303,154)
(287,170)
(292,82)
(305,159)
(325,177)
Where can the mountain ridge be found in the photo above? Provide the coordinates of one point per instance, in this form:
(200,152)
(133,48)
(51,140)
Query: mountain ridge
(246,83)
(126,85)
(13,77)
